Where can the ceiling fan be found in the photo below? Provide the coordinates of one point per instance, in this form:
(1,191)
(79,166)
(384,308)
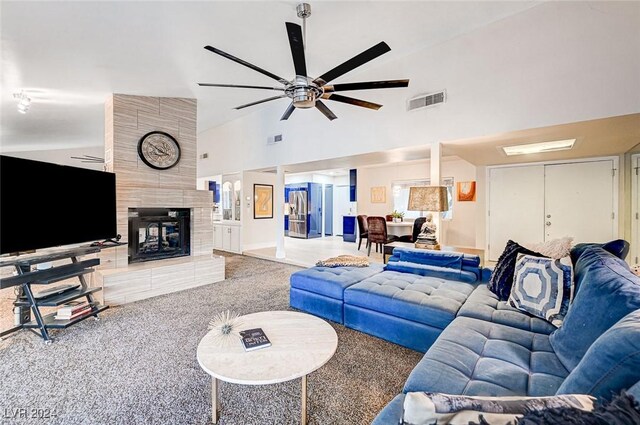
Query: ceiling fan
(306,92)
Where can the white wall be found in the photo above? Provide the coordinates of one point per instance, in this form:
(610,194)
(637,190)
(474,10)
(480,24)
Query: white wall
(459,231)
(555,63)
(257,233)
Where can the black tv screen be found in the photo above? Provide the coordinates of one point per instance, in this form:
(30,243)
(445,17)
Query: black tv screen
(44,205)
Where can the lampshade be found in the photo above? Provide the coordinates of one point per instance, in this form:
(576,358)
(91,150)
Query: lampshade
(428,198)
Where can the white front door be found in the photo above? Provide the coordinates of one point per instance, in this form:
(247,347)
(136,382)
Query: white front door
(579,201)
(635,210)
(516,206)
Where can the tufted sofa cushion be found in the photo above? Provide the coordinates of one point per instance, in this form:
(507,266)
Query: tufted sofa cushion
(475,357)
(428,300)
(331,281)
(484,304)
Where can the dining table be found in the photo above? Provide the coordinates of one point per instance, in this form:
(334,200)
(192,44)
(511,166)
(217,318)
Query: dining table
(401,228)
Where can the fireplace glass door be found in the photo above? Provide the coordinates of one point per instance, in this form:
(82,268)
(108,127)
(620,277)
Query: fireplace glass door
(158,235)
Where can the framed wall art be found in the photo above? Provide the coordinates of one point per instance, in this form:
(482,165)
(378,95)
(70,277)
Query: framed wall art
(262,201)
(378,195)
(466,191)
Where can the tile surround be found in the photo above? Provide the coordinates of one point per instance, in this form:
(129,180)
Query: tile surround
(127,119)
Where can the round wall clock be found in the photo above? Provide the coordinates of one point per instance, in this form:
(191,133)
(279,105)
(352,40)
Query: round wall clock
(159,150)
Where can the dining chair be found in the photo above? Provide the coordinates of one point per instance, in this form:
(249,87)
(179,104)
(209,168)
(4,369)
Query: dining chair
(378,233)
(417,226)
(363,229)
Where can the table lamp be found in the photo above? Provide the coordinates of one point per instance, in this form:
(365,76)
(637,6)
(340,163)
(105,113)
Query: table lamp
(432,199)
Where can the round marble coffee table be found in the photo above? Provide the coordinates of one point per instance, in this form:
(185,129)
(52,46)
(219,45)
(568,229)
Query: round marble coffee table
(300,344)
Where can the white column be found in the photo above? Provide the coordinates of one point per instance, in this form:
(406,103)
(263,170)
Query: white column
(436,179)
(278,199)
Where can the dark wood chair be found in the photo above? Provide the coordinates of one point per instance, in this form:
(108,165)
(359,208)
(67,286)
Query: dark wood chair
(417,225)
(363,229)
(378,233)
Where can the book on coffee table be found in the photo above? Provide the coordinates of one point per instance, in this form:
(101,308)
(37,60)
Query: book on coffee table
(254,339)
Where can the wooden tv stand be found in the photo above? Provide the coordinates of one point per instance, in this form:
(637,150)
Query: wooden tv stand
(28,304)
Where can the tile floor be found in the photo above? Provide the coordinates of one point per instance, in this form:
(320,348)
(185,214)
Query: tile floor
(306,252)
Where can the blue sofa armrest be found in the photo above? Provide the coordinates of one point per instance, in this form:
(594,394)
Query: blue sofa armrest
(433,271)
(392,413)
(485,273)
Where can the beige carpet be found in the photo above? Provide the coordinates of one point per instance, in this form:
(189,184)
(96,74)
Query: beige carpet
(138,364)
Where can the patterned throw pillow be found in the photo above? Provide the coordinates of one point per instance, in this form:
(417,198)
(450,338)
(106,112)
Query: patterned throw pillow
(502,276)
(421,408)
(543,287)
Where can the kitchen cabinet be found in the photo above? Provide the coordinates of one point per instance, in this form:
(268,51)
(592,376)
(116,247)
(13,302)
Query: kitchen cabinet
(227,237)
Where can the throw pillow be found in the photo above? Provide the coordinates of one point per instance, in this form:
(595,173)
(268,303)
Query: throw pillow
(556,248)
(623,409)
(421,408)
(543,287)
(618,247)
(502,276)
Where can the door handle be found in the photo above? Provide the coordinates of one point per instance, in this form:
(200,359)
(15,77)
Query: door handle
(548,223)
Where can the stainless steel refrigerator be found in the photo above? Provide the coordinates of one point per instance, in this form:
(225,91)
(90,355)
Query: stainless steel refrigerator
(298,214)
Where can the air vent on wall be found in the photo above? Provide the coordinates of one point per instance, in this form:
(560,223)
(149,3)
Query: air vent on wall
(272,140)
(426,100)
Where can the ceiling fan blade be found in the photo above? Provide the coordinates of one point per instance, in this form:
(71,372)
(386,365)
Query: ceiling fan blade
(297,48)
(259,102)
(87,159)
(364,57)
(326,111)
(245,63)
(240,86)
(351,101)
(288,112)
(367,85)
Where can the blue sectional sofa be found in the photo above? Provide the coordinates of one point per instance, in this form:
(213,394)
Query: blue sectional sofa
(474,344)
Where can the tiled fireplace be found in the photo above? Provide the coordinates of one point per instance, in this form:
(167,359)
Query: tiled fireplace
(161,204)
(158,233)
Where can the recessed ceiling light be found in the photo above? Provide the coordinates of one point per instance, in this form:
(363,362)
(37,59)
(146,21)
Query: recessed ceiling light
(556,145)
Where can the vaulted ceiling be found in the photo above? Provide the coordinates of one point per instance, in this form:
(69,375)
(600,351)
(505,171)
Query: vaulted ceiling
(69,56)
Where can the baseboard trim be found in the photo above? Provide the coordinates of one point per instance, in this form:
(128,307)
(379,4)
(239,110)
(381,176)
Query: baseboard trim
(263,245)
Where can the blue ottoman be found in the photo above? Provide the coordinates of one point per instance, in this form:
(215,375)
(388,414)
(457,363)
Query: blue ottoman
(404,308)
(320,290)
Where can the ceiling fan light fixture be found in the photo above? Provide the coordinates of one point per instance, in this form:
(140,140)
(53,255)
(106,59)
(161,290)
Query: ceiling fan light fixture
(24,101)
(303,98)
(303,92)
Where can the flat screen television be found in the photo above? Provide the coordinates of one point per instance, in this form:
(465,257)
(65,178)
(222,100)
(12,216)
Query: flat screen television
(45,205)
